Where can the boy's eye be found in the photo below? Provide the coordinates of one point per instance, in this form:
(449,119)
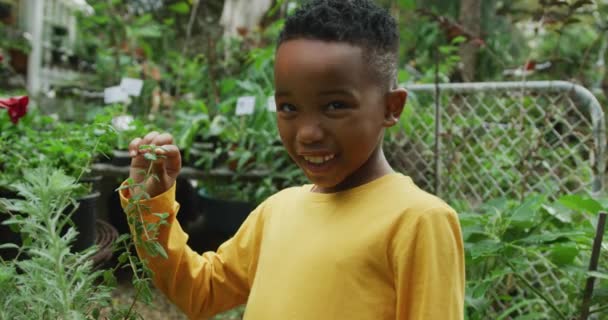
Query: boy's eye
(286,107)
(336,106)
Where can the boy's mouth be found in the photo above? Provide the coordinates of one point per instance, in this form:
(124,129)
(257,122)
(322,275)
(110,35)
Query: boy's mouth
(318,164)
(318,159)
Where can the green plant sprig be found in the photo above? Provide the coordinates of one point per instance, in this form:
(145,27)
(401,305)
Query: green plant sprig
(145,233)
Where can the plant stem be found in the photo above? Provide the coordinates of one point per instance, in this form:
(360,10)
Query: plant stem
(133,303)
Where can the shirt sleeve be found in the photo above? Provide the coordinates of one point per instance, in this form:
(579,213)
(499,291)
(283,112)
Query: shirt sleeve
(201,285)
(428,262)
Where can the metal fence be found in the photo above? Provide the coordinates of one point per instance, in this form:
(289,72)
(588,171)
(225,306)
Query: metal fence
(478,141)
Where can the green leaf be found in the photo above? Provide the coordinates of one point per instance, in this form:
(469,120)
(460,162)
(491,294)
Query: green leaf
(563,254)
(244,157)
(579,203)
(109,278)
(407,4)
(123,187)
(559,212)
(9,246)
(549,238)
(526,215)
(123,257)
(484,248)
(142,286)
(447,50)
(180,7)
(458,40)
(123,238)
(163,216)
(160,250)
(150,156)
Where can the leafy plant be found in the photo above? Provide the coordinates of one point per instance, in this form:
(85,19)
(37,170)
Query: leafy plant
(529,258)
(40,140)
(50,281)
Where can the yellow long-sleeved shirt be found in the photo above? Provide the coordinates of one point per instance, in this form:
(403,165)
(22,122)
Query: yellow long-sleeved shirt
(383,250)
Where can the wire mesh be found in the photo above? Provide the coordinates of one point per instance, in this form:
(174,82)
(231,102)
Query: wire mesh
(501,140)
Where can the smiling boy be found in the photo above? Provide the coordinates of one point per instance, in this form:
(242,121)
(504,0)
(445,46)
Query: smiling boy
(361,241)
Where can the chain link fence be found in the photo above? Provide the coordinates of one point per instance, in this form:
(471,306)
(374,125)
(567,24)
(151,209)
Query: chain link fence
(479,141)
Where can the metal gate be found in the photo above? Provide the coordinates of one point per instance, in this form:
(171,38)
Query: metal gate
(477,141)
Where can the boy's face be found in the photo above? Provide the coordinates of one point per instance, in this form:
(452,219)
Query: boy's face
(331,112)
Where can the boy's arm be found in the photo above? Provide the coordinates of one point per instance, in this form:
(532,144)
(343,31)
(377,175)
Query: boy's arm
(428,261)
(201,285)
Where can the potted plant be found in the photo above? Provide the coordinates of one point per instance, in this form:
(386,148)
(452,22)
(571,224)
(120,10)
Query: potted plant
(42,141)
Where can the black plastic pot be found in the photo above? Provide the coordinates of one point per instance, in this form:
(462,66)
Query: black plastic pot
(6,234)
(120,158)
(94,181)
(84,219)
(220,221)
(224,216)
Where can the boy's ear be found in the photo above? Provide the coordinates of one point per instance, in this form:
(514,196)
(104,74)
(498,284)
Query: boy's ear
(395,102)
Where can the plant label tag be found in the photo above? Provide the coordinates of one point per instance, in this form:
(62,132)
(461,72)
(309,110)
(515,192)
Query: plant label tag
(245,105)
(114,95)
(272,105)
(132,86)
(122,123)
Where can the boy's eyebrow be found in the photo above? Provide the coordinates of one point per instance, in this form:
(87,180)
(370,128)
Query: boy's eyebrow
(336,91)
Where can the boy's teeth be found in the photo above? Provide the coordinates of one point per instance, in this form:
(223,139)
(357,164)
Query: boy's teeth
(318,160)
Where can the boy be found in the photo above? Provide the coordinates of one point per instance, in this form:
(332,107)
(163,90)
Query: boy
(360,242)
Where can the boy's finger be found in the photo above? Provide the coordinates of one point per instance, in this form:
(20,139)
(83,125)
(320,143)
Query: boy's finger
(134,147)
(148,138)
(162,139)
(168,150)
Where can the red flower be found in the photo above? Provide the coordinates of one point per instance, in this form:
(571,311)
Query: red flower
(16,107)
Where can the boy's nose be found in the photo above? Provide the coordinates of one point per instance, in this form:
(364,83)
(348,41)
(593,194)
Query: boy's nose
(310,133)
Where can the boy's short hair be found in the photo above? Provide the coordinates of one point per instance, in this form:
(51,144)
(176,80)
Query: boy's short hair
(358,22)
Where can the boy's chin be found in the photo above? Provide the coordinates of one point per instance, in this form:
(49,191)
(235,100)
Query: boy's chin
(325,183)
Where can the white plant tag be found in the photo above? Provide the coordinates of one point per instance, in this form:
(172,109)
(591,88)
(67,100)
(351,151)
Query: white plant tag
(245,105)
(132,86)
(272,105)
(122,123)
(114,95)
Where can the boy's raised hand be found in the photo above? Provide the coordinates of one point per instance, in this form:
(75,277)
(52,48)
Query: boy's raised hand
(165,168)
